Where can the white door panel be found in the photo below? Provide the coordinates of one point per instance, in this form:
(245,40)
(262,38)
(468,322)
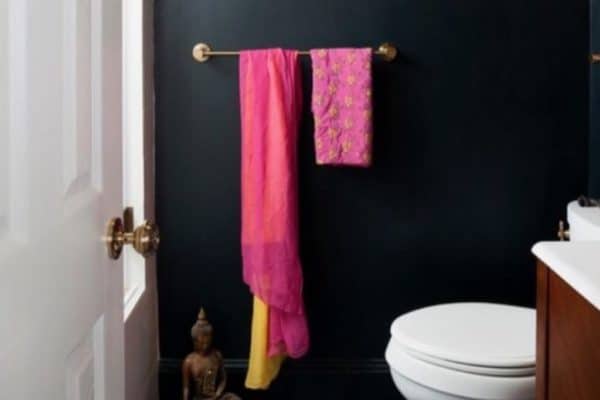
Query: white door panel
(61,324)
(4,151)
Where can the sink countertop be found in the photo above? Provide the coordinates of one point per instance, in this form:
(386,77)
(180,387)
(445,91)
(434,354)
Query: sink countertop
(577,263)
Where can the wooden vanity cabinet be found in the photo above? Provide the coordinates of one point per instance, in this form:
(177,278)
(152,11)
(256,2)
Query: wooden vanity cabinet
(568,341)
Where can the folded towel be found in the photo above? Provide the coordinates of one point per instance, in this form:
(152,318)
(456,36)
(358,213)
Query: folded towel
(341,105)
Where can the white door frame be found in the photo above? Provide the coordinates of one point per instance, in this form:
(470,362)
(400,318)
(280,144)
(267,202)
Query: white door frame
(141,307)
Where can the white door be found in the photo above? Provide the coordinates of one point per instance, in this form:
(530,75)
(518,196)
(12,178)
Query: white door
(61,297)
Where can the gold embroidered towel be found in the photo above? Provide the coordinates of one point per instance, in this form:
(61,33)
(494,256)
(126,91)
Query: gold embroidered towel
(341,106)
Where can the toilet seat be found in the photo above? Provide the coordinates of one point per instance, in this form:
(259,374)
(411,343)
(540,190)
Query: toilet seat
(474,350)
(472,369)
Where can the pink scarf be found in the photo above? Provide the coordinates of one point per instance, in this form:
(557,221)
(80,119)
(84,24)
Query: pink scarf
(271,96)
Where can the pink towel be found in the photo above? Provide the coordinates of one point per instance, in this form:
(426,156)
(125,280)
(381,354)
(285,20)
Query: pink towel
(271,97)
(342,106)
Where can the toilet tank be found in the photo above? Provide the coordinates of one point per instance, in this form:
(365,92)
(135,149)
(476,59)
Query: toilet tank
(584,222)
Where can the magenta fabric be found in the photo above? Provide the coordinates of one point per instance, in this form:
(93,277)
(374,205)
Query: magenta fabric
(271,101)
(341,105)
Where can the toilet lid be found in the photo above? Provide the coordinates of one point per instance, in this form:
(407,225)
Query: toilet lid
(478,334)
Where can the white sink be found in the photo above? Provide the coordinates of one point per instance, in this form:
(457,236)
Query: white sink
(584,222)
(576,262)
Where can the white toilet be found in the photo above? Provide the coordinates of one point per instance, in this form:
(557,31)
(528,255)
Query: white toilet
(479,351)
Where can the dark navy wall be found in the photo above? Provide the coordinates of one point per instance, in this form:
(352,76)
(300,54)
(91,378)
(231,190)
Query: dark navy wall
(480,141)
(594,150)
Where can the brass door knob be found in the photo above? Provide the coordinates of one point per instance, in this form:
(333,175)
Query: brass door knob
(144,239)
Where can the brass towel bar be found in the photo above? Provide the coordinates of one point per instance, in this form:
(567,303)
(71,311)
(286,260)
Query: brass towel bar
(202,52)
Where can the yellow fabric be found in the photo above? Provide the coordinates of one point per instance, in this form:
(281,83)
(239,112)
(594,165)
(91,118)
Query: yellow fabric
(262,369)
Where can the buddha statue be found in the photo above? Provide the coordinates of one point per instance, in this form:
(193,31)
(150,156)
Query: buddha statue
(204,375)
